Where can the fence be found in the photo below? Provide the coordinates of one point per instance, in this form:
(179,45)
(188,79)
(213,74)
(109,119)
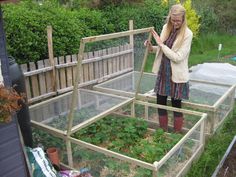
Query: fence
(97,66)
(55,75)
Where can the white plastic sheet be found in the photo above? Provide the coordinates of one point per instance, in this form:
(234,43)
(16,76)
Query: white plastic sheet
(214,72)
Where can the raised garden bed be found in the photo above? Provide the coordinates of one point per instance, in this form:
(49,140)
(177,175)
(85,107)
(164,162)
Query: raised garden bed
(216,100)
(73,115)
(138,149)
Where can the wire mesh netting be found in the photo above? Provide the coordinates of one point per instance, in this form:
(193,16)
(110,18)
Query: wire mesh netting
(54,113)
(200,92)
(206,93)
(101,165)
(116,54)
(139,138)
(112,135)
(128,83)
(174,165)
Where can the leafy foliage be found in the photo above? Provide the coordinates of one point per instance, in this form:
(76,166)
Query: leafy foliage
(214,150)
(30,20)
(150,14)
(129,136)
(192,17)
(9,103)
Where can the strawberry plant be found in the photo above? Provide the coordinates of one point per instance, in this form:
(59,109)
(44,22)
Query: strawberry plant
(129,136)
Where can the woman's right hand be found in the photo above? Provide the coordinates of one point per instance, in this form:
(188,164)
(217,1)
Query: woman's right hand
(148,44)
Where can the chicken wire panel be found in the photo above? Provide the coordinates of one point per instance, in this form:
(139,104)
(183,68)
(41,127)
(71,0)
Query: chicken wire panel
(151,114)
(46,140)
(174,165)
(200,92)
(116,54)
(206,93)
(224,108)
(135,138)
(128,83)
(101,165)
(54,113)
(91,104)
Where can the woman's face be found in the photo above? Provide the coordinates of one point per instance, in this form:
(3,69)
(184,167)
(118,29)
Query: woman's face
(176,20)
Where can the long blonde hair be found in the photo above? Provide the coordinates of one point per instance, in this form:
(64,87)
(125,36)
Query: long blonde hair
(176,10)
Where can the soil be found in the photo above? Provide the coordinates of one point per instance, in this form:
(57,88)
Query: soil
(228,168)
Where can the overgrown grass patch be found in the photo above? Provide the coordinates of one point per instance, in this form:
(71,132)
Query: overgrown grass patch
(214,149)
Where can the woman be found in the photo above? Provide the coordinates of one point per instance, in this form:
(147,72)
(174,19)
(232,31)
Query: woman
(171,64)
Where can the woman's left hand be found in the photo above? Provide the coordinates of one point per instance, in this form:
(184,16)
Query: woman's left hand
(157,37)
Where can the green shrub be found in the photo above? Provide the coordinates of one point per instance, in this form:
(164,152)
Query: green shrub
(192,17)
(150,14)
(26,25)
(208,19)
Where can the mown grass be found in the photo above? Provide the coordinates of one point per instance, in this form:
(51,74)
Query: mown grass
(205,49)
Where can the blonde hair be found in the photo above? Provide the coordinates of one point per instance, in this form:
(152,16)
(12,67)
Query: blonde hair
(176,10)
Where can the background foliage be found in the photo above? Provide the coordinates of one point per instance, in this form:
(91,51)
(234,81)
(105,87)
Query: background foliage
(26,25)
(26,22)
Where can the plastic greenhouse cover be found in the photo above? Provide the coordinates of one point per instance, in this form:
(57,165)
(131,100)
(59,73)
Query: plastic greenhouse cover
(214,72)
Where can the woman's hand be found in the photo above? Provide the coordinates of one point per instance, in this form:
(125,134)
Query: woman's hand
(157,37)
(148,44)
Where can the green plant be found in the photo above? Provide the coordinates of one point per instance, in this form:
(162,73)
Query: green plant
(129,136)
(150,14)
(192,18)
(214,149)
(30,20)
(9,103)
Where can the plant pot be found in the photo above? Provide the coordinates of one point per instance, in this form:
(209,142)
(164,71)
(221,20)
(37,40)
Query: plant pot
(53,156)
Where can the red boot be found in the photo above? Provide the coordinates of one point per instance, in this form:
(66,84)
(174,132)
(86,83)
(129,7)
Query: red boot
(178,124)
(163,120)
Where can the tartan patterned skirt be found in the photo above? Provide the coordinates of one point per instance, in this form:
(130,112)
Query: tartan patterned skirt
(164,85)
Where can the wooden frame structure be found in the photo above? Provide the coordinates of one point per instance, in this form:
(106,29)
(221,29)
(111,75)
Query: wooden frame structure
(198,129)
(66,135)
(213,121)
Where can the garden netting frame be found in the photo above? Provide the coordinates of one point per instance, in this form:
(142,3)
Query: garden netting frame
(70,142)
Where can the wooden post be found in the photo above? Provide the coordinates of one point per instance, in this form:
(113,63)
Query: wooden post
(51,57)
(142,68)
(131,41)
(133,109)
(77,80)
(69,153)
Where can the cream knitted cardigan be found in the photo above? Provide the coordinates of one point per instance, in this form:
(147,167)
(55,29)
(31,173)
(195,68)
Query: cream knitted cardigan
(178,56)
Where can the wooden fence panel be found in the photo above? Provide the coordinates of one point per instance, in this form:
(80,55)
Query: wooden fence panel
(100,64)
(85,69)
(74,60)
(62,73)
(42,79)
(34,81)
(69,76)
(110,70)
(24,68)
(105,62)
(91,67)
(57,74)
(97,66)
(48,75)
(122,59)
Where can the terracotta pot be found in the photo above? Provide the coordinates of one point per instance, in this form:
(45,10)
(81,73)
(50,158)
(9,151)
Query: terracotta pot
(53,155)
